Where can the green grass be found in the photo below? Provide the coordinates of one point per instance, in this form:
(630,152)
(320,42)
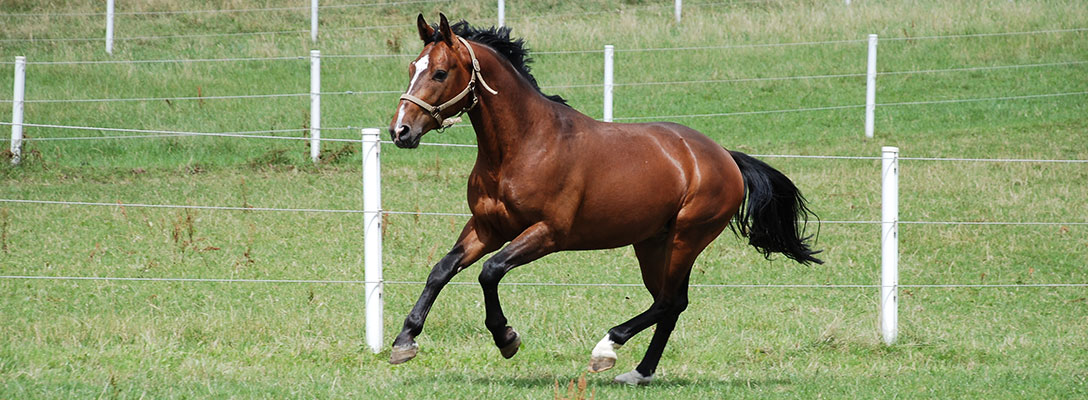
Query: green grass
(65,339)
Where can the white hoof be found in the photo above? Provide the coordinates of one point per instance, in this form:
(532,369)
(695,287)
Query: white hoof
(633,378)
(603,356)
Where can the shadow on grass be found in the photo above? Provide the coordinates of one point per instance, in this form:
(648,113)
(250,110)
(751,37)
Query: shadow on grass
(599,381)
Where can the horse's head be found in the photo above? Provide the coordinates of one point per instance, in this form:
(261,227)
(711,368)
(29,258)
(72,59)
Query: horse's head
(441,84)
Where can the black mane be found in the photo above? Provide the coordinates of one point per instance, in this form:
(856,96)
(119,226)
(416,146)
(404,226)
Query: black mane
(513,50)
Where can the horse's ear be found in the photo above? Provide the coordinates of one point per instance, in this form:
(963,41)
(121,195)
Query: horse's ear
(444,28)
(425,31)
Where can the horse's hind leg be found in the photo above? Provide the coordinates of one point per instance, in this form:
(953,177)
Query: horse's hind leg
(652,256)
(665,324)
(671,297)
(530,245)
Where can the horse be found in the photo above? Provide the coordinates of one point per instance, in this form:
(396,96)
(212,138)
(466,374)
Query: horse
(548,178)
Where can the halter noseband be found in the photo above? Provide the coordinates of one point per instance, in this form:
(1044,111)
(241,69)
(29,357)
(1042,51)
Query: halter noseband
(436,111)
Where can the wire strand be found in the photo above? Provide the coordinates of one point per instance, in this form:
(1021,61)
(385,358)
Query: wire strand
(228,97)
(740,113)
(546,284)
(450,214)
(991,34)
(214,11)
(906,103)
(242,134)
(191,60)
(180,206)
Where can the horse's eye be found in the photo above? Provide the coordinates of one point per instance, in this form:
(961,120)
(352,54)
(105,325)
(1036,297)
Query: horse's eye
(440,75)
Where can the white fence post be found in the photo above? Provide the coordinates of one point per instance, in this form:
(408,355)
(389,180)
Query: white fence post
(870,88)
(315,105)
(889,246)
(502,13)
(608,51)
(313,21)
(677,8)
(109,26)
(372,237)
(18,97)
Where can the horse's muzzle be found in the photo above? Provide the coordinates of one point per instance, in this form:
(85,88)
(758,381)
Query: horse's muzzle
(404,138)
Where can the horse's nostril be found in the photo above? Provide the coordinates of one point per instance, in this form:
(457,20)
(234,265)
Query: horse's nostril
(402,131)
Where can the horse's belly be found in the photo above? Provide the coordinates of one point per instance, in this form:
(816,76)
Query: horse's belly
(625,214)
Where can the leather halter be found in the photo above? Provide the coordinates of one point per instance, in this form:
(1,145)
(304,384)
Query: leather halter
(436,111)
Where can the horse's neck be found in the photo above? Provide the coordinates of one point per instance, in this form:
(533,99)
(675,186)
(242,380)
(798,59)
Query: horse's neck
(508,120)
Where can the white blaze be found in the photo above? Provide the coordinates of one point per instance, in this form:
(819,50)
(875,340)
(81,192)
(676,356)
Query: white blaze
(421,65)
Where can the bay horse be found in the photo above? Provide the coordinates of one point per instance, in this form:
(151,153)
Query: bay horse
(548,178)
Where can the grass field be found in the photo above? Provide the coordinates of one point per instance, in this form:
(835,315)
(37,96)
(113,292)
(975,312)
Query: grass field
(113,339)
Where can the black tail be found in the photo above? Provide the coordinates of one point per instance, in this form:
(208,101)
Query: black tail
(774,214)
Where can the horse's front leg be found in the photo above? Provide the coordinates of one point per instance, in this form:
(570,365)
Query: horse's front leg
(468,249)
(533,243)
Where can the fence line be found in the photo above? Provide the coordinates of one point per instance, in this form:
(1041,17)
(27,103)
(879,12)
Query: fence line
(832,76)
(546,284)
(450,214)
(241,134)
(574,51)
(990,34)
(242,96)
(181,60)
(776,78)
(989,223)
(228,97)
(212,11)
(363,92)
(906,103)
(982,68)
(95,39)
(741,113)
(740,46)
(1030,96)
(633,8)
(834,157)
(246,134)
(180,206)
(54,139)
(1003,160)
(281,58)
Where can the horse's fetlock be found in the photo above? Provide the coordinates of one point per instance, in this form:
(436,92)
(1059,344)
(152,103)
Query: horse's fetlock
(495,324)
(413,323)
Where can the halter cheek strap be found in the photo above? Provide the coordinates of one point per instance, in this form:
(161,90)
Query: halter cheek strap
(436,111)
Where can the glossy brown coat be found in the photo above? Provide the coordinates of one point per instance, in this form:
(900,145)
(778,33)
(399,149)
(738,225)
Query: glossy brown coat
(548,178)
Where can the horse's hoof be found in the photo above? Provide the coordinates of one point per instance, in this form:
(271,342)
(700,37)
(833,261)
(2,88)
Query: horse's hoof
(633,378)
(401,354)
(604,355)
(601,364)
(511,347)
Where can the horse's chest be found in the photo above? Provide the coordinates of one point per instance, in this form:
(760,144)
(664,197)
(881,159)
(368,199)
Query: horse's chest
(501,208)
(489,207)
